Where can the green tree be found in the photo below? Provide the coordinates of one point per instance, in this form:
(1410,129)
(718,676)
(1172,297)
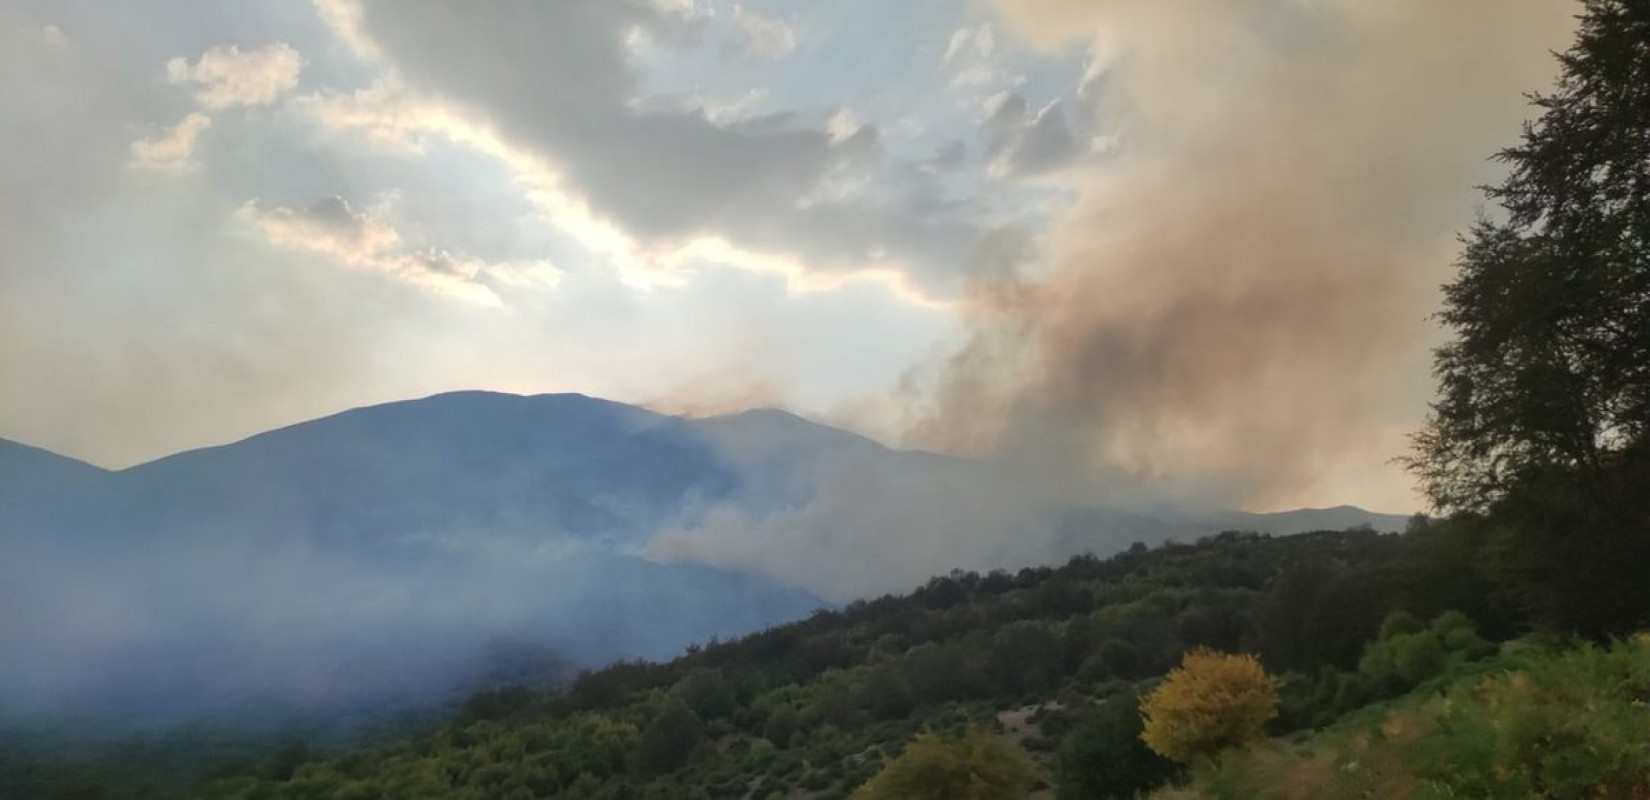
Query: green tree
(1543,415)
(669,741)
(978,766)
(1029,657)
(708,693)
(1550,364)
(781,725)
(1408,653)
(886,694)
(1104,757)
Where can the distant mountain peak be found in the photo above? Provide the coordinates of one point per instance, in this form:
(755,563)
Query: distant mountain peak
(15,455)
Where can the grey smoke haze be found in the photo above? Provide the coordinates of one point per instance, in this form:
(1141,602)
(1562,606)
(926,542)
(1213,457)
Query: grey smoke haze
(1235,307)
(368,557)
(376,556)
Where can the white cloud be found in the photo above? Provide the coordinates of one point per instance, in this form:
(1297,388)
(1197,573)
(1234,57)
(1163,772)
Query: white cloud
(685,12)
(174,148)
(765,37)
(343,18)
(985,43)
(731,112)
(225,76)
(959,39)
(974,77)
(980,42)
(330,225)
(1022,143)
(364,239)
(637,183)
(842,124)
(53,36)
(388,114)
(384,113)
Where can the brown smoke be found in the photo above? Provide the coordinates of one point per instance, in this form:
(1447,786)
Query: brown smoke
(1239,300)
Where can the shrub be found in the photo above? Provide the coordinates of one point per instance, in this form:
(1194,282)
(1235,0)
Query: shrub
(670,740)
(1575,726)
(1408,655)
(1103,756)
(978,766)
(1212,701)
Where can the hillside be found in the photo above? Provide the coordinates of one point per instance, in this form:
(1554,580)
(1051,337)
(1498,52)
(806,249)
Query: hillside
(1534,721)
(813,708)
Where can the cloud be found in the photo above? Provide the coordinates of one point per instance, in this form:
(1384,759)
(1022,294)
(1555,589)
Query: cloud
(364,239)
(652,178)
(971,50)
(979,41)
(225,77)
(329,225)
(343,19)
(765,37)
(53,36)
(1021,143)
(975,76)
(174,148)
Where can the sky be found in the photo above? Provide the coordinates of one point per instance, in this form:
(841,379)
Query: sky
(1186,244)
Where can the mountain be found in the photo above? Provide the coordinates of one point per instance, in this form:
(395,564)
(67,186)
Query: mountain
(21,465)
(459,464)
(37,485)
(291,567)
(1304,520)
(288,566)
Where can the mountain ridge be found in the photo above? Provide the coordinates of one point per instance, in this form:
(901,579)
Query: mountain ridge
(437,524)
(765,415)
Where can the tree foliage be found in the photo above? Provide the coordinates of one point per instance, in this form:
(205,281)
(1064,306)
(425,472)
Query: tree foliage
(1103,756)
(670,739)
(1543,418)
(977,766)
(1550,361)
(1212,701)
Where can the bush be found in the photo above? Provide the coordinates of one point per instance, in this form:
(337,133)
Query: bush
(1408,655)
(707,693)
(1212,701)
(670,740)
(978,766)
(1575,726)
(1104,757)
(782,724)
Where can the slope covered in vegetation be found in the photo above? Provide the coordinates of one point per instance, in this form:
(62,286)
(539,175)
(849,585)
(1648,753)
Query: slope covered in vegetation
(1051,659)
(1532,722)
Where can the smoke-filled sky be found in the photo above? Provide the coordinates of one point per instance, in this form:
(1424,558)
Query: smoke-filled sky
(1190,245)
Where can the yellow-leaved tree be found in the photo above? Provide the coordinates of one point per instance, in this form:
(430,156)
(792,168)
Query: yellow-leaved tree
(1212,701)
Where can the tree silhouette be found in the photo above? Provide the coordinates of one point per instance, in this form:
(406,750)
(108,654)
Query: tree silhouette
(1543,415)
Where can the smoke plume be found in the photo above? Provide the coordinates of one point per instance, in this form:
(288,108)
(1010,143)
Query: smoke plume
(1239,299)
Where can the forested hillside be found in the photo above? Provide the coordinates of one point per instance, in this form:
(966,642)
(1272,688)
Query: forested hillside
(1044,658)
